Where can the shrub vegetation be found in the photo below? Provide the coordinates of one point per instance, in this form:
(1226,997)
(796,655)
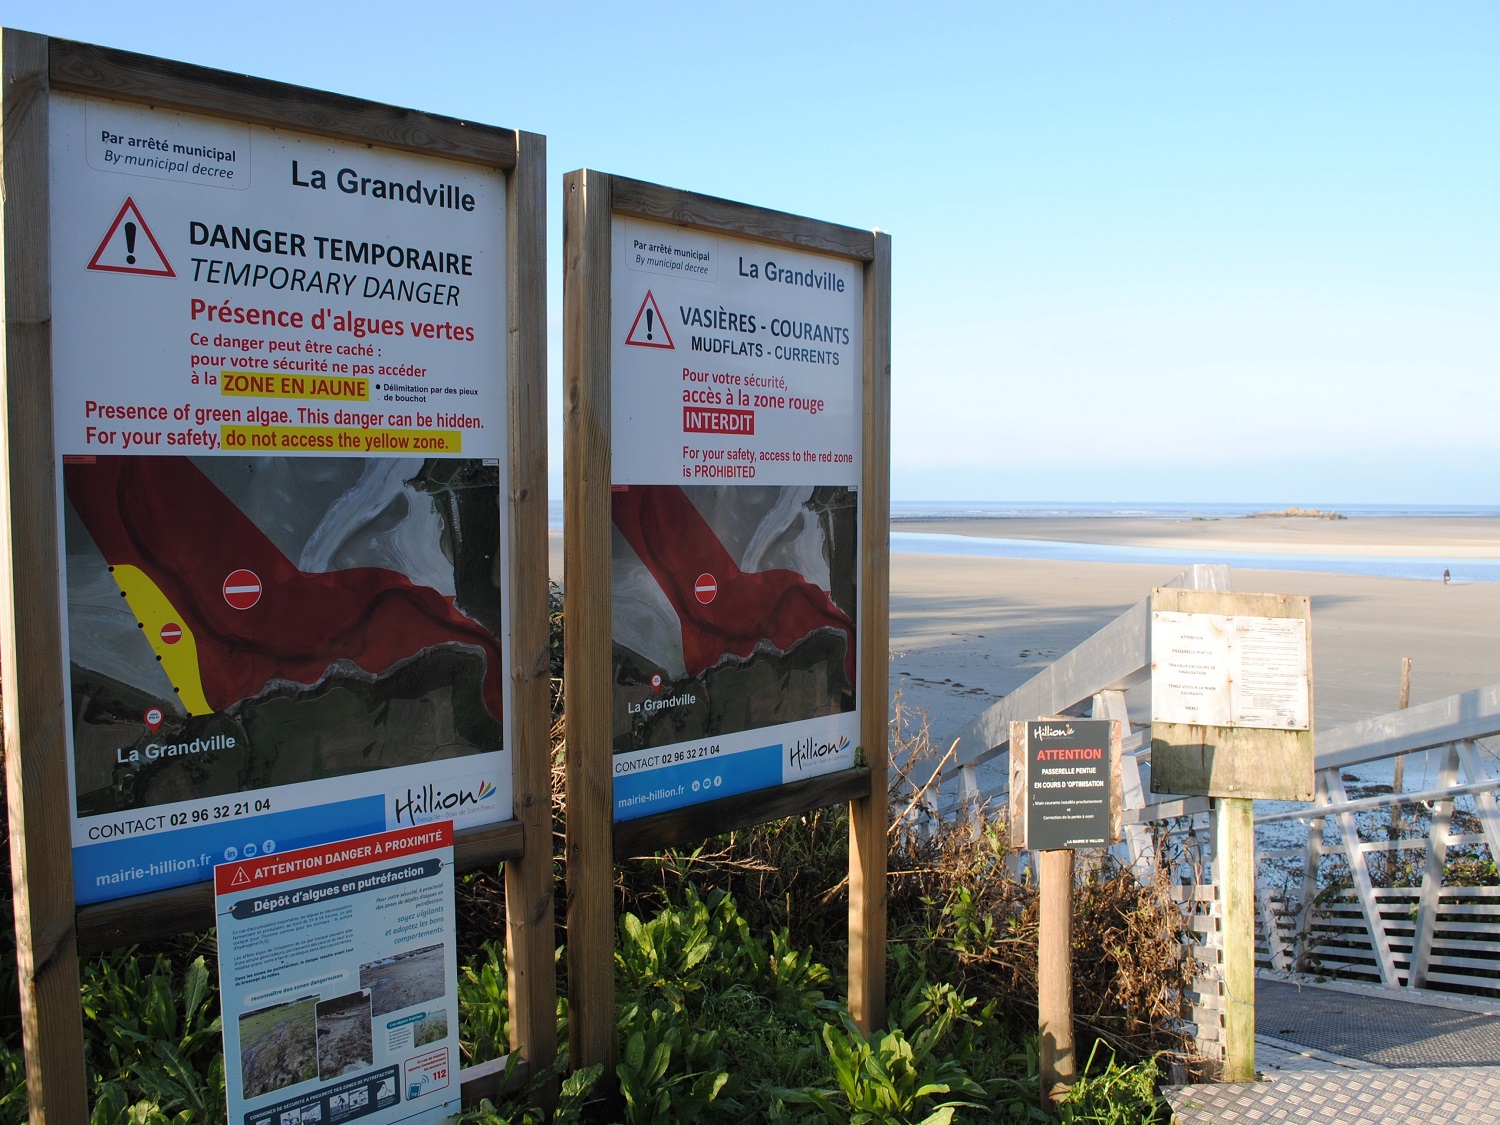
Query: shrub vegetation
(728,967)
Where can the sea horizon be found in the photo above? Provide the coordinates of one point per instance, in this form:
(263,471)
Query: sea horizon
(1418,568)
(905,511)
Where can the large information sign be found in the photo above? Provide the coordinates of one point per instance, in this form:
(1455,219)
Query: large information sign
(736,376)
(279,396)
(338,971)
(727,369)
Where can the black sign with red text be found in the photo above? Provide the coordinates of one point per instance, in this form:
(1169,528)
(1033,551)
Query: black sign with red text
(1068,783)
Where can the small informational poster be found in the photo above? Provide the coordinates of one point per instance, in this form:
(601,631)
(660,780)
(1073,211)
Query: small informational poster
(736,376)
(1066,772)
(1229,671)
(279,400)
(338,972)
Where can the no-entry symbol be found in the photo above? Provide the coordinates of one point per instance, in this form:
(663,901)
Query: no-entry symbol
(171,633)
(706,588)
(242,589)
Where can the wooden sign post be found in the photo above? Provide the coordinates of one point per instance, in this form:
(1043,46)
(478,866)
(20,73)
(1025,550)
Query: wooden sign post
(727,547)
(1231,719)
(1065,793)
(273,504)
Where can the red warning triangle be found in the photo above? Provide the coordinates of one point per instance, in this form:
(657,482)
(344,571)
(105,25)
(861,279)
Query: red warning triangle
(240,878)
(130,247)
(649,329)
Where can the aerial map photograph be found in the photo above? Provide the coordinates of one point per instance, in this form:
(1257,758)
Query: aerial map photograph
(734,608)
(239,623)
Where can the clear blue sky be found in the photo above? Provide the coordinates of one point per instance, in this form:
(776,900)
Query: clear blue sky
(1144,251)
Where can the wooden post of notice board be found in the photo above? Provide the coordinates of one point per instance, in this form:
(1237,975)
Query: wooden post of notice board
(1231,719)
(586,639)
(1065,793)
(868,835)
(1056,1054)
(530,937)
(628,242)
(1233,824)
(35,684)
(51,927)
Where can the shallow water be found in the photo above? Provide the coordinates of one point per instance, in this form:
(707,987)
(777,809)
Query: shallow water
(1373,566)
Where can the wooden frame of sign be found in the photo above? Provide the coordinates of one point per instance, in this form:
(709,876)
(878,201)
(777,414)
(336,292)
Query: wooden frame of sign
(50,929)
(594,204)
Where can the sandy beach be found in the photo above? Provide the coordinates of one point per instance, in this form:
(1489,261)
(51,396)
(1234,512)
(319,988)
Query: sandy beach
(965,631)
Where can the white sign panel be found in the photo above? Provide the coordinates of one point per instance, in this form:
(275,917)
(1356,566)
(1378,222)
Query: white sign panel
(737,369)
(279,398)
(1216,670)
(338,973)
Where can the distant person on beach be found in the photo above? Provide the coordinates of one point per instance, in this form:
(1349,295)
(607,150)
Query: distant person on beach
(1446,576)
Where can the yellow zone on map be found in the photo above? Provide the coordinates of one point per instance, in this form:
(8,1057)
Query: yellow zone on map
(339,439)
(153,611)
(266,384)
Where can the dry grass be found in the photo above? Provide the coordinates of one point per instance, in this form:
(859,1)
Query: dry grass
(960,889)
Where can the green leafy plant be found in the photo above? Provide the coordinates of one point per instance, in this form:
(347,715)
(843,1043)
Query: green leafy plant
(520,1108)
(723,1013)
(13,1104)
(909,1074)
(1118,1094)
(667,1071)
(713,1019)
(888,1080)
(797,983)
(484,1005)
(153,1046)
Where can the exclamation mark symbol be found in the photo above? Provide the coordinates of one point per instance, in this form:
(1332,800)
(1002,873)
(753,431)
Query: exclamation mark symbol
(648,320)
(129,242)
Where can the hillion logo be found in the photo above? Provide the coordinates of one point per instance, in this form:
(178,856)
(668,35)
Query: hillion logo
(806,750)
(430,800)
(1053,732)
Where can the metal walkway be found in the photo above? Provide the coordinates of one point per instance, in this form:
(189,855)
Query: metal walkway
(1338,1052)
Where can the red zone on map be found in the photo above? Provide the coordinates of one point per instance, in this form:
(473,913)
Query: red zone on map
(677,545)
(163,515)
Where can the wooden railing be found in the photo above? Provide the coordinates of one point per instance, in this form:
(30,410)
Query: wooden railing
(1092,679)
(1348,921)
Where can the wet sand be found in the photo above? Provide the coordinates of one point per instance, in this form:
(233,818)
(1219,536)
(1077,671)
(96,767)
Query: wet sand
(965,631)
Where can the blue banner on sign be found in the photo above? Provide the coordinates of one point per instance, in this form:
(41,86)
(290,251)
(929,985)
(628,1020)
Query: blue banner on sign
(132,865)
(692,783)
